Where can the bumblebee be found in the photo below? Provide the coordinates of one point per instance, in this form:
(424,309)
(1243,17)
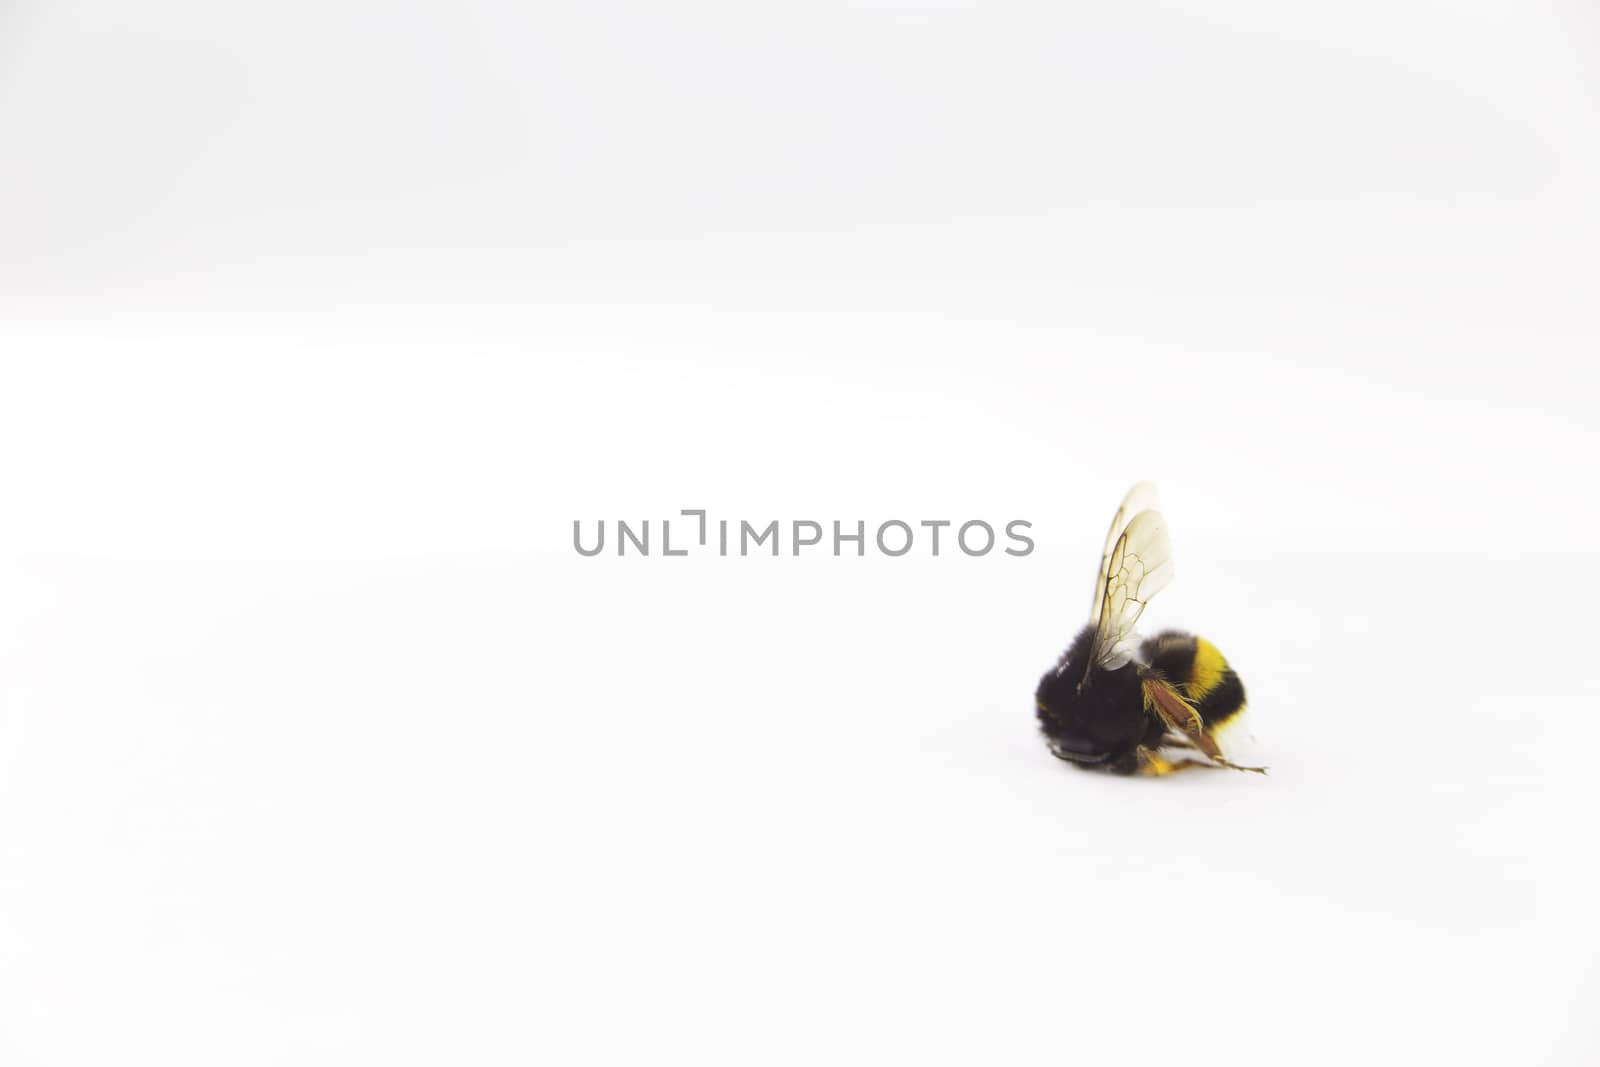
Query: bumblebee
(1114,704)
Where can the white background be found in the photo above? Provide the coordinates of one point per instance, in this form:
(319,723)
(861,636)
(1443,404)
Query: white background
(322,322)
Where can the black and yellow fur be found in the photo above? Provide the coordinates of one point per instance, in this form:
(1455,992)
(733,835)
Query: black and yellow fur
(1197,670)
(1104,719)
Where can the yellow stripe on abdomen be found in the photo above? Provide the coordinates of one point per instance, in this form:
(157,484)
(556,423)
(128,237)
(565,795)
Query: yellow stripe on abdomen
(1208,669)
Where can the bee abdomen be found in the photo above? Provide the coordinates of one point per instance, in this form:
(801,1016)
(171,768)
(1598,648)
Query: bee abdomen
(1198,670)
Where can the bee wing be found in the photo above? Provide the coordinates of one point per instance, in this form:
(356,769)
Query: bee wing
(1138,566)
(1141,497)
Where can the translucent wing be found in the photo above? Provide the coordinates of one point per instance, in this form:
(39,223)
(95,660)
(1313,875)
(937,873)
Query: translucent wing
(1141,497)
(1138,567)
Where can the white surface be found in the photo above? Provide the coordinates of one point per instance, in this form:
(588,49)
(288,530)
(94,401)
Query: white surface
(319,744)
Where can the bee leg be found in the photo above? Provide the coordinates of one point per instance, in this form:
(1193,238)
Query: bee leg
(1236,767)
(1156,766)
(1177,740)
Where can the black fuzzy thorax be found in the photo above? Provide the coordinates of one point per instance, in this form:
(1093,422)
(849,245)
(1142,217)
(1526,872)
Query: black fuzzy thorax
(1095,719)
